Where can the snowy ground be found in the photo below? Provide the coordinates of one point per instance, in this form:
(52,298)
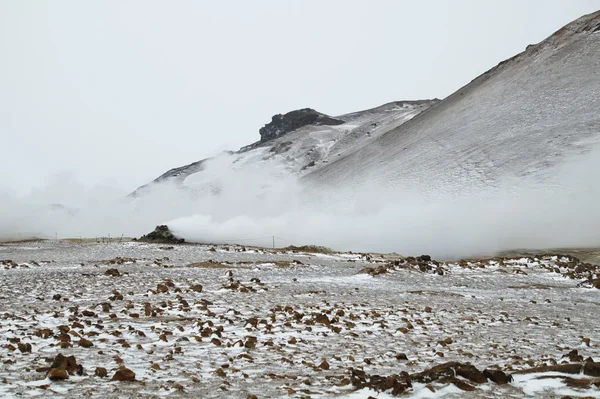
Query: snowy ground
(294,326)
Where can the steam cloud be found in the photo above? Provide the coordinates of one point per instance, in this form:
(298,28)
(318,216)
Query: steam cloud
(249,205)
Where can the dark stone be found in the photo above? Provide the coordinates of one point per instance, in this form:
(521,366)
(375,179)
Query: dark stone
(162,234)
(283,124)
(397,383)
(471,373)
(68,364)
(497,376)
(101,372)
(112,272)
(123,374)
(569,368)
(592,369)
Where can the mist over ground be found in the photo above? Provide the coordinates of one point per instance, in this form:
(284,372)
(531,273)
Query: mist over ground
(250,205)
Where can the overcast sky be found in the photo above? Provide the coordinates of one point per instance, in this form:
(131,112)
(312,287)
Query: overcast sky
(122,91)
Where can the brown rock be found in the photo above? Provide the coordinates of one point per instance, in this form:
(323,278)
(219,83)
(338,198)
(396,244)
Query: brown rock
(250,342)
(162,289)
(196,287)
(463,385)
(324,365)
(64,329)
(323,319)
(497,376)
(568,368)
(85,343)
(221,373)
(147,309)
(112,273)
(68,364)
(592,369)
(43,333)
(123,374)
(57,375)
(101,372)
(471,373)
(24,348)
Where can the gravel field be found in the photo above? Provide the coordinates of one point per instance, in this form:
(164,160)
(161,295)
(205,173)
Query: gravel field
(150,320)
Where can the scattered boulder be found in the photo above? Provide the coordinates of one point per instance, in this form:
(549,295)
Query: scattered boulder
(24,347)
(162,289)
(112,273)
(497,376)
(57,374)
(591,369)
(67,364)
(471,373)
(123,374)
(101,372)
(322,319)
(162,234)
(196,287)
(397,383)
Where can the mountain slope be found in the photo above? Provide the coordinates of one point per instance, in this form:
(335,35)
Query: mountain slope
(527,114)
(519,119)
(297,143)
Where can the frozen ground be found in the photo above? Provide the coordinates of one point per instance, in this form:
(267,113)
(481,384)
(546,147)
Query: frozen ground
(295,325)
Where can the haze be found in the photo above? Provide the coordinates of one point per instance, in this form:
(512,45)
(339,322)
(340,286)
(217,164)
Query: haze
(98,99)
(99,93)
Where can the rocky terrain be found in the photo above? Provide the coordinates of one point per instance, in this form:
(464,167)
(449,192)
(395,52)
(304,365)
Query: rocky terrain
(137,319)
(283,124)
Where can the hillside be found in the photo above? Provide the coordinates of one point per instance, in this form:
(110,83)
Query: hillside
(301,141)
(520,118)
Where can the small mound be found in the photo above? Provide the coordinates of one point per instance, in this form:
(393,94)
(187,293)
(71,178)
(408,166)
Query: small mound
(161,234)
(316,249)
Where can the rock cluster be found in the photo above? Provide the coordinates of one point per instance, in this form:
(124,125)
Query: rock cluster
(283,124)
(423,263)
(463,375)
(163,235)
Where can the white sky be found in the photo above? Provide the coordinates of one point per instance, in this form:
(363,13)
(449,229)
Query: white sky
(120,92)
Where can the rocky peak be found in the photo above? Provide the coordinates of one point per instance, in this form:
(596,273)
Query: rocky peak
(283,124)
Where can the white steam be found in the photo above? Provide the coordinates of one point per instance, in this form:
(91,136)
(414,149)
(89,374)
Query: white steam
(249,205)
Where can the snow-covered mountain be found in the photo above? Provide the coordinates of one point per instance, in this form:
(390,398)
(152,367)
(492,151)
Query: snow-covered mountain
(527,114)
(520,118)
(299,143)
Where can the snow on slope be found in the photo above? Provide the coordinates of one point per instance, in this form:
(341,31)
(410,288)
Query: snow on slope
(298,152)
(517,120)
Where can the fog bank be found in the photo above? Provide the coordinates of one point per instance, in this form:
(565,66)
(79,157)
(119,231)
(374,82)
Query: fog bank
(250,205)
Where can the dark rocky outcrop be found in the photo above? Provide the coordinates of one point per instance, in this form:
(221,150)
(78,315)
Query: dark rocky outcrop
(282,124)
(162,234)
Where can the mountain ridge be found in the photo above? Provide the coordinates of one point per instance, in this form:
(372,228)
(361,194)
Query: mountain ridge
(519,118)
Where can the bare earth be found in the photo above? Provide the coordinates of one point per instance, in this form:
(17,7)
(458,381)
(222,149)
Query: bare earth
(232,322)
